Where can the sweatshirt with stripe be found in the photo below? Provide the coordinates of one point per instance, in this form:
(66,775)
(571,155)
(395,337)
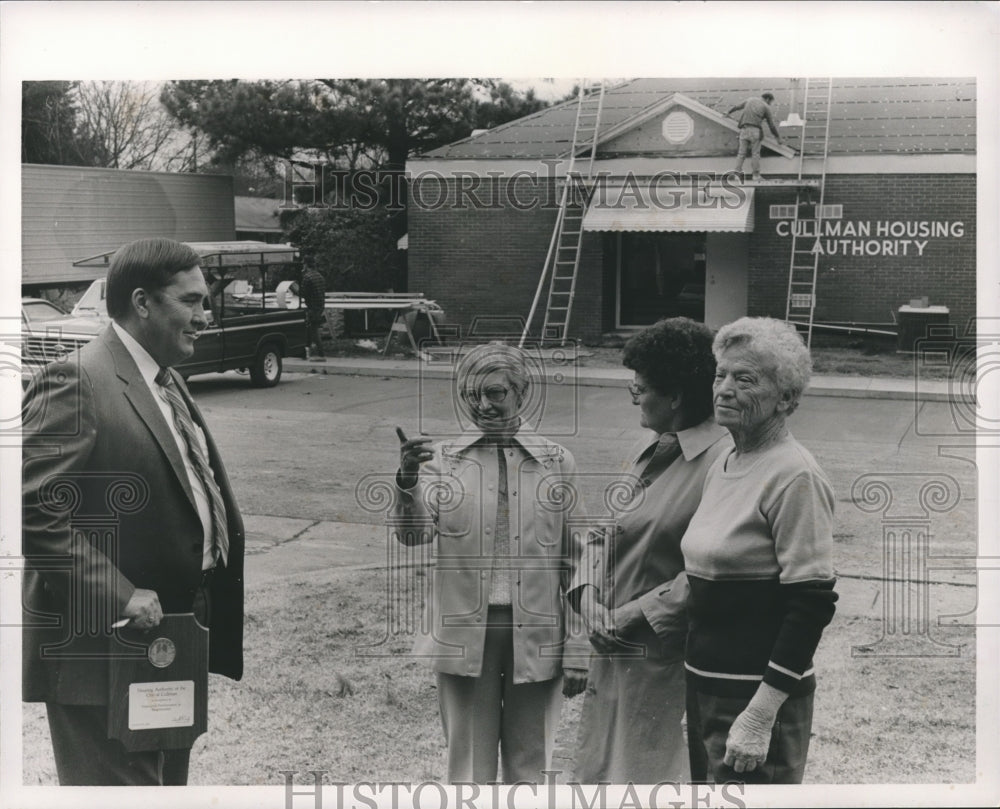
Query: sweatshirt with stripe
(758,554)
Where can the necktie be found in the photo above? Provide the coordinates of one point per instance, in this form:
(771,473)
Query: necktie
(185,426)
(500,579)
(665,452)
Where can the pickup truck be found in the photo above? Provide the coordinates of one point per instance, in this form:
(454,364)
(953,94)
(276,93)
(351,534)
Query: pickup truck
(254,321)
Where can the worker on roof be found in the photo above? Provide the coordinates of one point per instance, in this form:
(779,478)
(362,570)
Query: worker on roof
(755,112)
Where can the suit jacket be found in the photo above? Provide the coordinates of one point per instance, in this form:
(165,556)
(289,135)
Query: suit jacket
(108,508)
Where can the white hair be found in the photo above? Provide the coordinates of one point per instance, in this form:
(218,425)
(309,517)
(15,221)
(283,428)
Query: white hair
(778,344)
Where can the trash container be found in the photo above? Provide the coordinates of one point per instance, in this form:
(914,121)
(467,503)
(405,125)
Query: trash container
(914,323)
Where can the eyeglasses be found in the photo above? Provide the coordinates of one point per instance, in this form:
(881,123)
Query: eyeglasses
(495,394)
(635,391)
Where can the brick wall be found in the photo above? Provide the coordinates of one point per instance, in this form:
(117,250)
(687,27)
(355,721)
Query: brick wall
(477,247)
(480,251)
(870,288)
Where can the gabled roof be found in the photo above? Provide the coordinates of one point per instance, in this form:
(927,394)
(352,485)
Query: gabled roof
(868,116)
(678,100)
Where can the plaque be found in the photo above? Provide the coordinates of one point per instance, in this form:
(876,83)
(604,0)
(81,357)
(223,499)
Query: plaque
(159,700)
(161,705)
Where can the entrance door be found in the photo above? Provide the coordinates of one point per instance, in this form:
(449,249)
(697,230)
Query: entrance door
(726,296)
(660,275)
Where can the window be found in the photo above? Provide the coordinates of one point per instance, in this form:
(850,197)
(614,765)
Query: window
(788,212)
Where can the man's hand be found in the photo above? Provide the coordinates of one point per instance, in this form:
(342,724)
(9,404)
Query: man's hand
(574,681)
(750,734)
(143,609)
(412,453)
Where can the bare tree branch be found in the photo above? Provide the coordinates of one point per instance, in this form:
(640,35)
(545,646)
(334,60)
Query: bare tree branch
(123,125)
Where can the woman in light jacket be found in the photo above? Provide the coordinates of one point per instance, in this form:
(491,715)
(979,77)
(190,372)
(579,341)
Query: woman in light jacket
(495,502)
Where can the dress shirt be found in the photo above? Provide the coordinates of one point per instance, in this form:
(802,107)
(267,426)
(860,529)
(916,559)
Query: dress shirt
(148,369)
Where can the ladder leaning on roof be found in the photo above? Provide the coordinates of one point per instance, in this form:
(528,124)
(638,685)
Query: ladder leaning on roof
(563,259)
(803,268)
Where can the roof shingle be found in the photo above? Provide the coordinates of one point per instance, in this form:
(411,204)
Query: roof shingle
(868,116)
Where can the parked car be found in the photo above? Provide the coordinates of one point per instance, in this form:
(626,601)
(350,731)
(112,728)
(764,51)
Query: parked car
(48,333)
(252,322)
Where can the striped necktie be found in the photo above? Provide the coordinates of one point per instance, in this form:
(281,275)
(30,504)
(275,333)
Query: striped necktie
(184,424)
(500,580)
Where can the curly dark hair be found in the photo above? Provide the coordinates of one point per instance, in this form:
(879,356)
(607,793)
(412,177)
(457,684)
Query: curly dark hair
(675,354)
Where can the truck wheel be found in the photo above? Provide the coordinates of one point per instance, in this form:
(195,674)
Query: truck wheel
(266,369)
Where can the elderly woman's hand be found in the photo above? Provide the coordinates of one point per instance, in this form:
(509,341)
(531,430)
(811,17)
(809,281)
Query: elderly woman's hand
(750,734)
(412,453)
(574,681)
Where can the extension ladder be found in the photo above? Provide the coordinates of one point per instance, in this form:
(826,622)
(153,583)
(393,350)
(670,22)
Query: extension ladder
(800,305)
(562,261)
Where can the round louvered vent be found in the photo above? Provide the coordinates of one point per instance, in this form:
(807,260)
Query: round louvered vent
(677,127)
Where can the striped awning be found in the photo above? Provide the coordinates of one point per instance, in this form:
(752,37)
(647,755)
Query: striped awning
(638,207)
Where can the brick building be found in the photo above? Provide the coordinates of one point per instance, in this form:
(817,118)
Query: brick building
(661,238)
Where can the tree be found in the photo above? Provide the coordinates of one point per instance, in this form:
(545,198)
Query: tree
(506,104)
(351,123)
(122,125)
(353,248)
(48,123)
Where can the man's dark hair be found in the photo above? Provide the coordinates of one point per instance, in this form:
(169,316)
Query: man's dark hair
(675,354)
(767,96)
(148,264)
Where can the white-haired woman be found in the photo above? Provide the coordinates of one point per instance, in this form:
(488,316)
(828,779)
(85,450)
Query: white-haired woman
(758,554)
(495,502)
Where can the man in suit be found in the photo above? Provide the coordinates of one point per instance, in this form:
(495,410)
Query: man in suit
(127,513)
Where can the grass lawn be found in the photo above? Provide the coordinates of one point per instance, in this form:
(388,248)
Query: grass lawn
(330,686)
(310,701)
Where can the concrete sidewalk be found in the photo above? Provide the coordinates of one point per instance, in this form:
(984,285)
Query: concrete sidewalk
(854,387)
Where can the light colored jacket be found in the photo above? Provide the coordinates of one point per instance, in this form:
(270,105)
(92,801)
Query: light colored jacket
(454,504)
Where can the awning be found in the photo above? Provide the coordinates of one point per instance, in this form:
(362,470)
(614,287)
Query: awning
(641,207)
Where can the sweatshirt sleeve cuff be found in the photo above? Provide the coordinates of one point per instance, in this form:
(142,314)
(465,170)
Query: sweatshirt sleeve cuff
(785,679)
